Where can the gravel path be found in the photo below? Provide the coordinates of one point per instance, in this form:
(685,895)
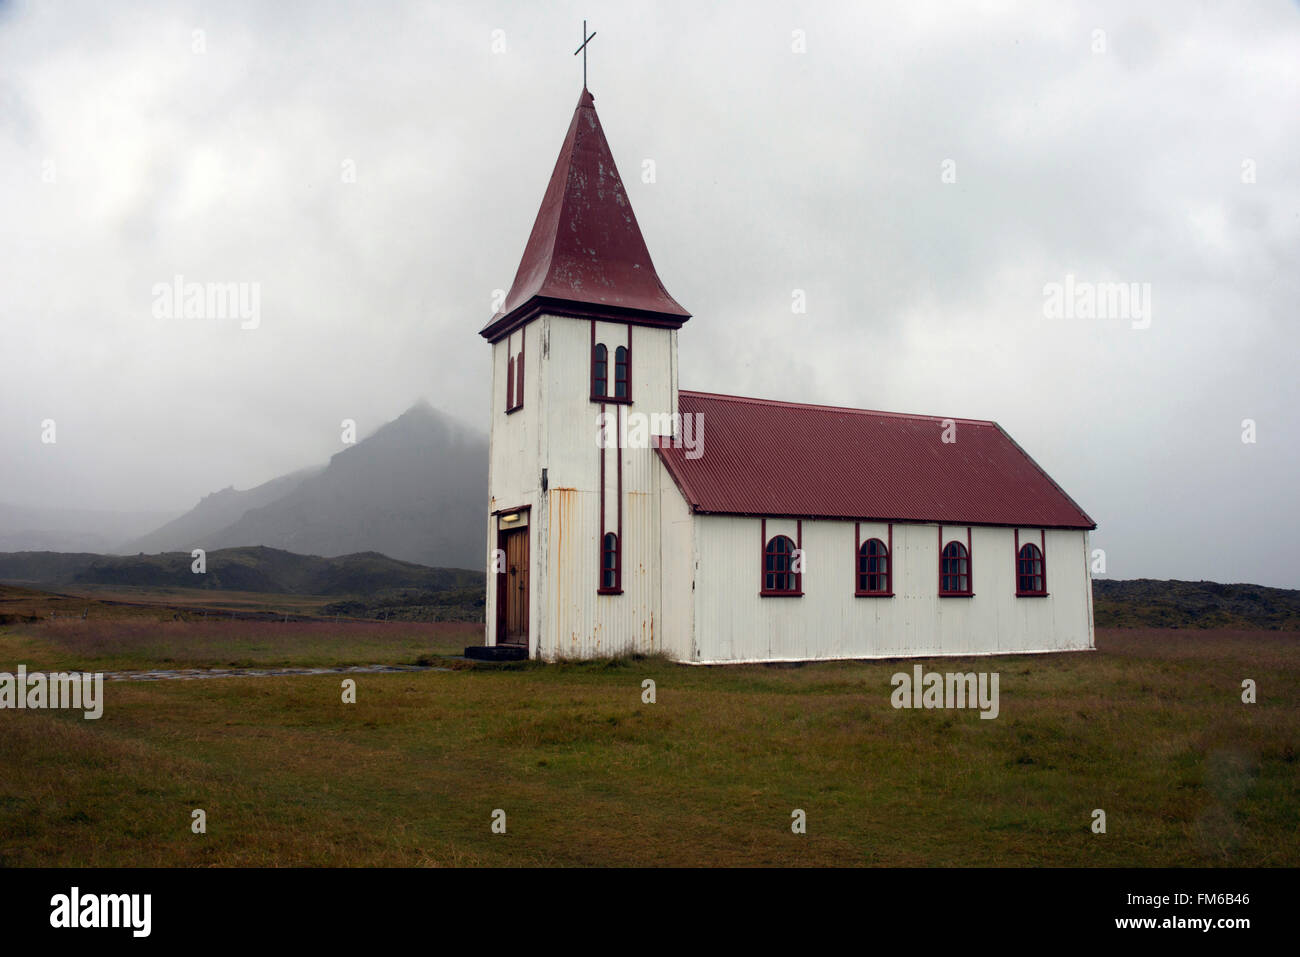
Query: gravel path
(190,674)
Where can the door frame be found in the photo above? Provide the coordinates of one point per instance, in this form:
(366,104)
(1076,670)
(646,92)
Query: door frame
(502,610)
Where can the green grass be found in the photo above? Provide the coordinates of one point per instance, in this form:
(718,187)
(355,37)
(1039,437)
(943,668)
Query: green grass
(1150,728)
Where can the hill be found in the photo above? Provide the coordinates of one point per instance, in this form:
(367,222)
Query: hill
(214,513)
(1150,603)
(257,569)
(415,490)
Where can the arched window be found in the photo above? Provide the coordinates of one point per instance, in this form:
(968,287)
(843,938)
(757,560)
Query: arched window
(599,371)
(778,566)
(954,570)
(610,573)
(873,568)
(1030,579)
(622,387)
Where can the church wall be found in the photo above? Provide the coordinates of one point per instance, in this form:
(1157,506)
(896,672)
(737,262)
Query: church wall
(733,623)
(514,442)
(577,622)
(677,560)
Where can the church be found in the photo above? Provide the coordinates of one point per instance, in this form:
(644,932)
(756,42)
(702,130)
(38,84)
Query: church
(627,515)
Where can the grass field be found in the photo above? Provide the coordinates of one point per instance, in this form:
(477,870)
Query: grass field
(1150,728)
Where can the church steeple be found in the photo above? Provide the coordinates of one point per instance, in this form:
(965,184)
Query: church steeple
(585,255)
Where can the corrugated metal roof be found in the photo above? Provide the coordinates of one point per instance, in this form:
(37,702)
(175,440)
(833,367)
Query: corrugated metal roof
(585,246)
(762,457)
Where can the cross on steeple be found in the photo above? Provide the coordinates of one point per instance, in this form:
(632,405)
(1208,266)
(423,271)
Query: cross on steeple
(583,50)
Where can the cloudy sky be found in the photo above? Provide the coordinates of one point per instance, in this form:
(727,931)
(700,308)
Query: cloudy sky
(920,171)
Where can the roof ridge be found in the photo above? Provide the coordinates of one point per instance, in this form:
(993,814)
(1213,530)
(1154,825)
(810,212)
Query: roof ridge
(783,403)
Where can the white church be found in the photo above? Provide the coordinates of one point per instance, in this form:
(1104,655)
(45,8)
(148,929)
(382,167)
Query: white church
(628,515)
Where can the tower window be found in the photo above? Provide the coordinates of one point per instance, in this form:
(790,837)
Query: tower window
(519,379)
(1030,579)
(599,371)
(954,570)
(873,568)
(622,368)
(611,572)
(515,378)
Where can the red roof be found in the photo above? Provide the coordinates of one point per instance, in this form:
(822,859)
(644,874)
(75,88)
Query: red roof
(585,247)
(762,457)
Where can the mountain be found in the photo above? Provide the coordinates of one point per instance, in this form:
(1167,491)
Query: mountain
(71,529)
(214,513)
(414,490)
(240,569)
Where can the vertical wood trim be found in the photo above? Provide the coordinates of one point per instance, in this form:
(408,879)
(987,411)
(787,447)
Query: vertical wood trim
(889,569)
(940,560)
(970,564)
(1042,539)
(762,556)
(601,450)
(629,362)
(1016,566)
(798,581)
(857,556)
(618,450)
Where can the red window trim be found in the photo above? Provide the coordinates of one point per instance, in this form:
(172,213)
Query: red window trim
(515,376)
(617,588)
(889,564)
(604,380)
(602,451)
(611,371)
(1042,555)
(763,590)
(970,568)
(519,372)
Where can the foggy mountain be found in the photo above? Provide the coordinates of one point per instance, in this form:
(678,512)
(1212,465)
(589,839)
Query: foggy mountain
(214,513)
(415,490)
(71,529)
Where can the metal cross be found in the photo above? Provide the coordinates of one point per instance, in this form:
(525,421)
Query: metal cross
(583,50)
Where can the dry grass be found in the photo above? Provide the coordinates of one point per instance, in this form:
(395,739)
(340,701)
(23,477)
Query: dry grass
(1150,728)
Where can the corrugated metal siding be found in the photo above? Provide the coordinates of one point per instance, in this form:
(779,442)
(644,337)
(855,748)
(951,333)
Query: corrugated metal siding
(778,458)
(577,622)
(584,624)
(513,444)
(677,560)
(733,623)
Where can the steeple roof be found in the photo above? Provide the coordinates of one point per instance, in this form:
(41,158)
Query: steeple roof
(586,253)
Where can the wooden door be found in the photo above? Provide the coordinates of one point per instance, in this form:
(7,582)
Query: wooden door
(512,624)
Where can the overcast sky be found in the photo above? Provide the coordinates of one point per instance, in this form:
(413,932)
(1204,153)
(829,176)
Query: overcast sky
(796,146)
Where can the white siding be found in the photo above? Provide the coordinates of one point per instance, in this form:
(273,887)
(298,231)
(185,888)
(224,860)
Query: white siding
(733,623)
(557,430)
(514,442)
(690,582)
(677,561)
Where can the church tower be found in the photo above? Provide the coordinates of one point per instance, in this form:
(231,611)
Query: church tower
(584,374)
